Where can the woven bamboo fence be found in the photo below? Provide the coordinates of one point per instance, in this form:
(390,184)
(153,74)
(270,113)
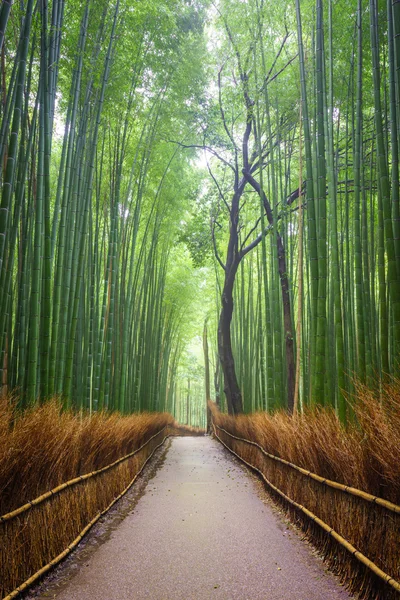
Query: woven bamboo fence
(358,534)
(38,535)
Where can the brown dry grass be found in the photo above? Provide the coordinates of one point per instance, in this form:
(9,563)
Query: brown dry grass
(45,446)
(186,430)
(364,455)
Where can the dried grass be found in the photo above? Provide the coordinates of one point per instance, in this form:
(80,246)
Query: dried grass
(364,455)
(45,447)
(186,430)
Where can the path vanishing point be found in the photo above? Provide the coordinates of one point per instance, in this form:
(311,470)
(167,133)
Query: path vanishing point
(203,530)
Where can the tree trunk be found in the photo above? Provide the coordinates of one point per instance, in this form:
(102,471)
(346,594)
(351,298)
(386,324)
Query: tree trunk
(231,386)
(216,383)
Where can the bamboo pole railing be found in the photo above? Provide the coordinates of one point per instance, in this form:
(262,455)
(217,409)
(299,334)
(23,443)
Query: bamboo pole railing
(333,484)
(26,555)
(390,581)
(43,497)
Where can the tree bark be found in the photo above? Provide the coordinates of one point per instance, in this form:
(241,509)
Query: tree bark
(216,383)
(231,386)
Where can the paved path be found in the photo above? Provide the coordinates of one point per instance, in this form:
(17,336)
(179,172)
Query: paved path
(202,531)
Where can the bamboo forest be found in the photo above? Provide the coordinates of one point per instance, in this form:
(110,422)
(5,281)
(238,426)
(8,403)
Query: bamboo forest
(200,233)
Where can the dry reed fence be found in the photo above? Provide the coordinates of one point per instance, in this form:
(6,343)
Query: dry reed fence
(357,532)
(40,532)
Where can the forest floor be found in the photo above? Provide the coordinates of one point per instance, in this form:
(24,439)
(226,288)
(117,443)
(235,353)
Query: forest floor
(197,526)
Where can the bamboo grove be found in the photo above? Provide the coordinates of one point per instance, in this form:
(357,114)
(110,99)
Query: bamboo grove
(150,151)
(90,294)
(304,198)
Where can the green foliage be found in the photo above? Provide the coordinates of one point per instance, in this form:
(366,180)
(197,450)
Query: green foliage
(117,188)
(113,228)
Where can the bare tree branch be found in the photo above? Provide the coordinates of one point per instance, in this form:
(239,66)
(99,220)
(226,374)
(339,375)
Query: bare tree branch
(222,196)
(255,242)
(281,70)
(276,58)
(215,244)
(204,147)
(289,200)
(221,109)
(295,194)
(232,41)
(250,233)
(246,136)
(256,186)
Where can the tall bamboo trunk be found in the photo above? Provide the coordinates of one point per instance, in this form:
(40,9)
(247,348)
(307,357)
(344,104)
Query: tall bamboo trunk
(207,373)
(287,323)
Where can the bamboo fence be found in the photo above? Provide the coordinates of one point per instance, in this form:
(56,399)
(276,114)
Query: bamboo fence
(38,535)
(359,534)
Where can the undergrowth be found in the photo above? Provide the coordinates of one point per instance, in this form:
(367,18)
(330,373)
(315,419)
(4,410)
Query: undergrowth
(364,454)
(46,446)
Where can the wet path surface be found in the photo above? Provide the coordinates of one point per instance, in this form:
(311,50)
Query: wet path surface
(202,530)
